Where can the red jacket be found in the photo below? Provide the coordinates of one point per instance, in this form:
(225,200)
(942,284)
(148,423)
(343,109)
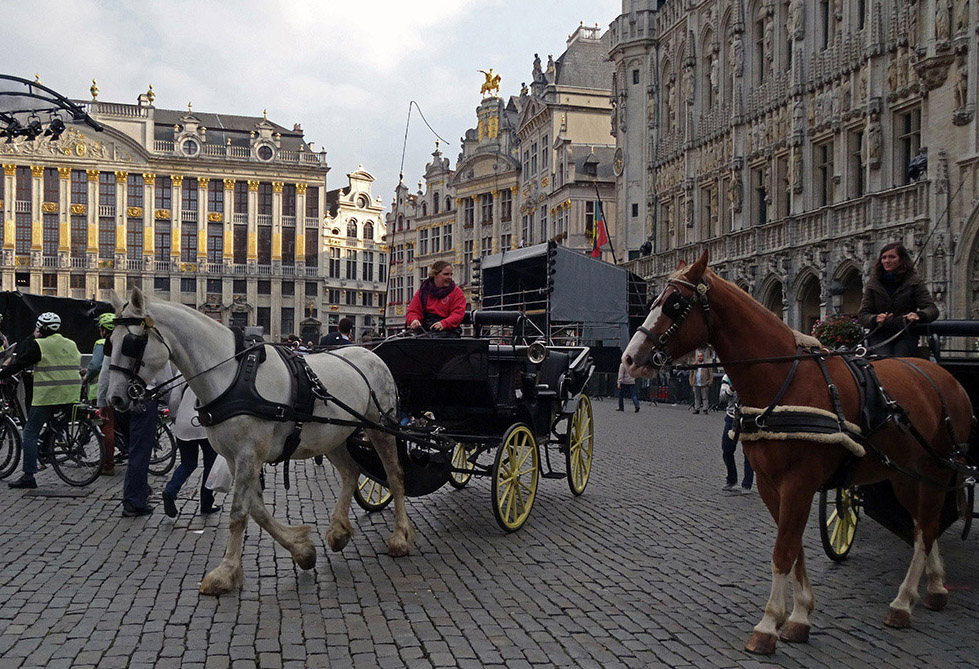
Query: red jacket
(452,309)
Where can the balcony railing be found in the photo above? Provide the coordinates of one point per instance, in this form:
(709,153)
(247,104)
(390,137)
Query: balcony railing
(239,268)
(22,206)
(134,264)
(163,146)
(312,271)
(107,210)
(239,219)
(160,265)
(188,215)
(265,219)
(263,270)
(78,262)
(49,261)
(289,221)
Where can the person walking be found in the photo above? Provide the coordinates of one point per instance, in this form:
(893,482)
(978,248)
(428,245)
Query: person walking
(626,384)
(700,381)
(894,298)
(340,336)
(730,397)
(56,361)
(191,439)
(142,436)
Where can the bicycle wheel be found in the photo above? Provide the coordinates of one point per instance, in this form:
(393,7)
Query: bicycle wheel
(10,445)
(77,451)
(164,453)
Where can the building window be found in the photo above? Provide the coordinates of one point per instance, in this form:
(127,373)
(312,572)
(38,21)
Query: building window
(447,237)
(506,205)
(239,244)
(824,173)
(424,209)
(50,235)
(107,237)
(760,55)
(448,203)
(107,189)
(134,190)
(312,247)
(289,244)
(264,245)
(264,199)
(368,231)
(635,210)
(908,142)
(333,271)
(239,287)
(134,238)
(215,196)
(215,242)
(164,193)
(533,158)
(312,202)
(352,229)
(824,23)
(351,298)
(106,282)
(263,317)
(505,242)
(76,281)
(485,246)
(288,288)
(589,218)
(288,319)
(79,187)
(52,186)
(423,242)
(264,287)
(486,206)
(188,242)
(468,212)
(543,222)
(214,286)
(188,199)
(435,203)
(188,285)
(312,289)
(526,164)
(707,211)
(333,295)
(367,299)
(759,191)
(368,266)
(635,76)
(858,168)
(241,197)
(467,257)
(79,236)
(289,200)
(351,264)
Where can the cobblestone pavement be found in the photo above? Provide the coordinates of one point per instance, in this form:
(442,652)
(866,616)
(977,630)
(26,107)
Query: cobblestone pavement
(652,566)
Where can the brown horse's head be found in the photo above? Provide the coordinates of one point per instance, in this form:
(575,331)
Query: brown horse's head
(677,322)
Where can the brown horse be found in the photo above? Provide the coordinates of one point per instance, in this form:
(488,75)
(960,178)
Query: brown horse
(698,307)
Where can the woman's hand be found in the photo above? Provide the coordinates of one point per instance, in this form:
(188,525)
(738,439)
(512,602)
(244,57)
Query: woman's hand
(883,317)
(912,317)
(415,324)
(438,327)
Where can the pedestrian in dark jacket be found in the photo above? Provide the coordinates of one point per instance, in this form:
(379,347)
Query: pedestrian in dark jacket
(895,296)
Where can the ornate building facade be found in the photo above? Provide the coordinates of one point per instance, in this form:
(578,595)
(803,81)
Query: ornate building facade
(533,169)
(356,263)
(793,139)
(222,213)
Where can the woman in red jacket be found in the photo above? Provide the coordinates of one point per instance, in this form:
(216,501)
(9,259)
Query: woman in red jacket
(439,304)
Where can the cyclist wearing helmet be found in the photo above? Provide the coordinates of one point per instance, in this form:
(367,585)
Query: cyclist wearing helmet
(90,378)
(55,360)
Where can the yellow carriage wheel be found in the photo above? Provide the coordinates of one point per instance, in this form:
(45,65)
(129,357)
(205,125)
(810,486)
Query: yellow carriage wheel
(838,518)
(371,495)
(460,460)
(581,442)
(515,474)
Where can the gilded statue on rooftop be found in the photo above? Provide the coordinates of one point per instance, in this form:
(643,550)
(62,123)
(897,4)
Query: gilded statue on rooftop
(492,83)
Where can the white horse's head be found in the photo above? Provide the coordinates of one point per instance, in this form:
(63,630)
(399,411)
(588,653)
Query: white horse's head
(675,325)
(138,352)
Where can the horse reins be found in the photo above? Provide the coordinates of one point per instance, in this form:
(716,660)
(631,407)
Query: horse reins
(677,307)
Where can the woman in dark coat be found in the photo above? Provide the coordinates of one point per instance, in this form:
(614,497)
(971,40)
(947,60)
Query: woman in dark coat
(895,295)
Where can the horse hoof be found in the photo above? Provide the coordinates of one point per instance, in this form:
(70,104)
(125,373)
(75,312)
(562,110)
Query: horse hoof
(795,633)
(337,540)
(761,644)
(935,601)
(898,619)
(216,584)
(306,559)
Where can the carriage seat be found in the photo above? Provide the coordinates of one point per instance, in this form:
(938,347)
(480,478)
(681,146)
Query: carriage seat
(551,374)
(481,319)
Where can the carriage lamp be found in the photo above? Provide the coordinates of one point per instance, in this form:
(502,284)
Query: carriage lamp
(537,352)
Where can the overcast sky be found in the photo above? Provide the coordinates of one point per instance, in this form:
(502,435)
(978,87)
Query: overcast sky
(345,70)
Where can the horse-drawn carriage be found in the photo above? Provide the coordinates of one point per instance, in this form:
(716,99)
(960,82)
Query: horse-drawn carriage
(840,507)
(460,398)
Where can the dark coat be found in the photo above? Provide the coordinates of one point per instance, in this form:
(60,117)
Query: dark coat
(910,295)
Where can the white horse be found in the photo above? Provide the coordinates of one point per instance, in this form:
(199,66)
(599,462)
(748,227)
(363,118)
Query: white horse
(200,348)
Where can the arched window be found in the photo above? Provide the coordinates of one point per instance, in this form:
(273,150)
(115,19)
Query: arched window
(369,231)
(448,203)
(424,209)
(710,71)
(352,229)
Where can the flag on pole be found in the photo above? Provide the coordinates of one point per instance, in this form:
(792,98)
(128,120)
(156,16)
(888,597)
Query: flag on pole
(600,233)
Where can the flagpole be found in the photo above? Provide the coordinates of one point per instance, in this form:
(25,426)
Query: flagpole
(604,222)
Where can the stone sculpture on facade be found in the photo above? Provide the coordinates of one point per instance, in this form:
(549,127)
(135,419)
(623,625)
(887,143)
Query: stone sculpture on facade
(737,54)
(874,141)
(942,24)
(794,24)
(735,194)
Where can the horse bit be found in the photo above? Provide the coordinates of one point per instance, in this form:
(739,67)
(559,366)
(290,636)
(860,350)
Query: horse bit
(676,307)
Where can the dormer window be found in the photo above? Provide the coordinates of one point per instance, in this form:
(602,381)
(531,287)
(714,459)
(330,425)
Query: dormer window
(265,152)
(190,147)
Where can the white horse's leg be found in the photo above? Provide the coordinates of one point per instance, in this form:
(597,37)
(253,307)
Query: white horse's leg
(899,614)
(937,595)
(228,575)
(796,630)
(402,539)
(340,530)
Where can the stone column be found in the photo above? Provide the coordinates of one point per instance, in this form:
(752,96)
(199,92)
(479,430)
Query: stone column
(149,217)
(252,221)
(229,225)
(202,222)
(301,227)
(37,199)
(92,246)
(176,219)
(277,222)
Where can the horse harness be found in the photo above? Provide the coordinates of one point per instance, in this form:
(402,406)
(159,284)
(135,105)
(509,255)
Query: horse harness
(876,409)
(242,398)
(677,307)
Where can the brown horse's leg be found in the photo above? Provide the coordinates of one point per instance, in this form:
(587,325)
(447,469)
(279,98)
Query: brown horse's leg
(796,630)
(403,537)
(791,502)
(937,595)
(899,614)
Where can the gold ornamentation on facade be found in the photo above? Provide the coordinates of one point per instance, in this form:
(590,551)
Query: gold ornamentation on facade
(106,263)
(37,171)
(10,170)
(188,267)
(252,185)
(49,207)
(301,189)
(493,127)
(149,179)
(229,184)
(94,90)
(177,180)
(78,209)
(277,186)
(514,189)
(544,182)
(64,173)
(215,217)
(202,183)
(162,214)
(93,175)
(22,261)
(458,200)
(150,95)
(134,212)
(121,177)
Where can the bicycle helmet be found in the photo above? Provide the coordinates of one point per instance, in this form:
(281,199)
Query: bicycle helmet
(49,321)
(107,321)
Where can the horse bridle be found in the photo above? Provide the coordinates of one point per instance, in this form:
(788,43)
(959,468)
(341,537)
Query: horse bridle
(134,347)
(676,307)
